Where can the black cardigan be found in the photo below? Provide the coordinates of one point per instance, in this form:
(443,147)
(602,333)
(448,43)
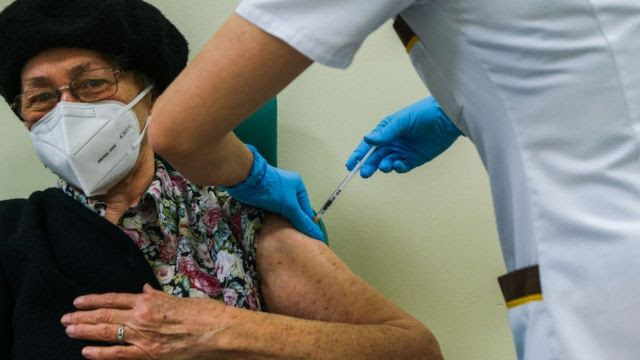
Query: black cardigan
(53,249)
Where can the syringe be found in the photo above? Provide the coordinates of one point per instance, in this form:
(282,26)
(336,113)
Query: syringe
(343,184)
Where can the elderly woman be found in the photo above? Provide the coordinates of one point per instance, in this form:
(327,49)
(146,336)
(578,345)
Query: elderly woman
(126,258)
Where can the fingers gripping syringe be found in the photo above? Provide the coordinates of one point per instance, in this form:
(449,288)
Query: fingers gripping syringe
(343,185)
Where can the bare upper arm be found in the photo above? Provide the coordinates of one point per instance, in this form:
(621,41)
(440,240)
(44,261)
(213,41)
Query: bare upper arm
(302,277)
(240,68)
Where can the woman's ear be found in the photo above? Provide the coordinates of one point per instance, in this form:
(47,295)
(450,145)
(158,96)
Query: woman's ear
(151,99)
(154,96)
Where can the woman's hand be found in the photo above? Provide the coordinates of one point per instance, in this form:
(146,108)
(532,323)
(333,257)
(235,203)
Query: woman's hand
(157,326)
(278,191)
(406,139)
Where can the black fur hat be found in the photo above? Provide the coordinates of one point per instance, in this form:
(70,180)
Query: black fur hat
(132,28)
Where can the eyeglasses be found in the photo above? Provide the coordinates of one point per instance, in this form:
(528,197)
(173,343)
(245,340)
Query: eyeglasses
(89,86)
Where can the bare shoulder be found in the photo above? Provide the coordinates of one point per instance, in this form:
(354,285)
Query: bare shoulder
(302,277)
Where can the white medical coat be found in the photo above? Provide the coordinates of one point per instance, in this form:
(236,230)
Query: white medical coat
(549,92)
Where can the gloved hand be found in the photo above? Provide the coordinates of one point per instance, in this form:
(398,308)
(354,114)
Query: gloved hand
(406,139)
(279,191)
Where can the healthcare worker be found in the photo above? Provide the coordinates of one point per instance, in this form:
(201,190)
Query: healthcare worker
(547,90)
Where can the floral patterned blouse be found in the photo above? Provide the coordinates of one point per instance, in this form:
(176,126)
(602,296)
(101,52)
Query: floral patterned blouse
(198,240)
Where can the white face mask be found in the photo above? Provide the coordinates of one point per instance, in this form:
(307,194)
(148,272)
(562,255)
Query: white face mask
(92,146)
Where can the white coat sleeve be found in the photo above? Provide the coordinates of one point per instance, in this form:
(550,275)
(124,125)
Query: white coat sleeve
(326,31)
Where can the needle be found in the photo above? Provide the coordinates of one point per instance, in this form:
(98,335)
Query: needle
(343,185)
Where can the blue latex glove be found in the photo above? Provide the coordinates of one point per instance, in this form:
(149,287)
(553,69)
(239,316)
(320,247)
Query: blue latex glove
(406,139)
(279,191)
